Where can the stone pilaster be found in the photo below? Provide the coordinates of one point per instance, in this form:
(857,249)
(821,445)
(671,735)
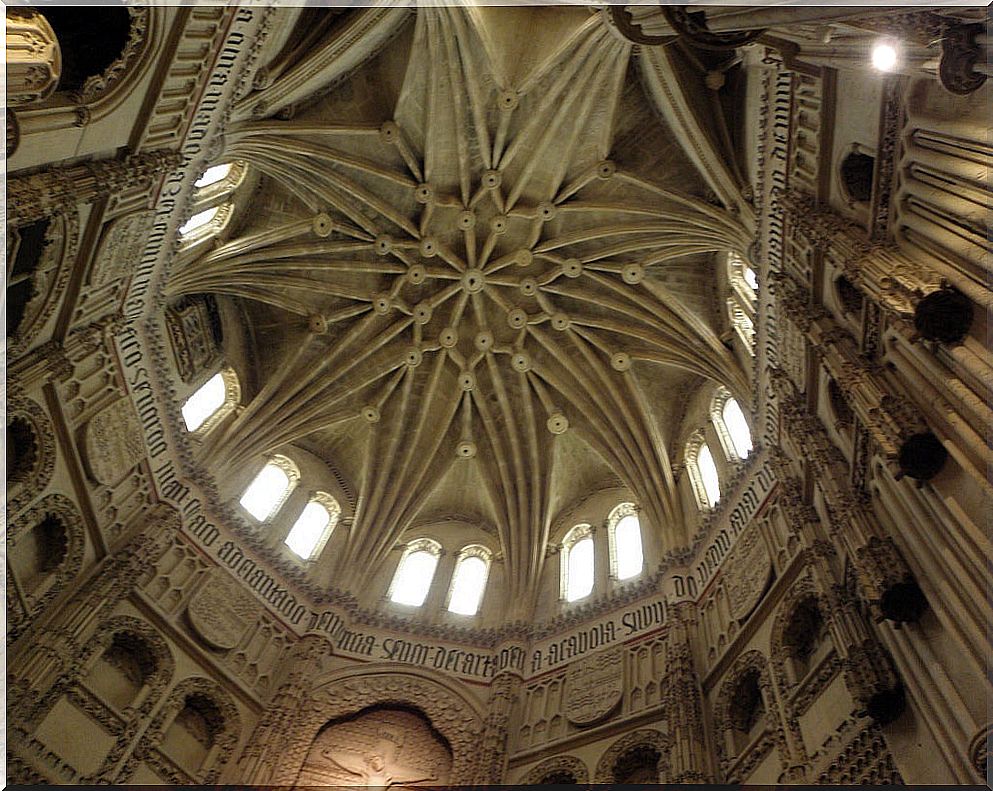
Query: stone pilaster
(57,190)
(867,666)
(683,704)
(303,662)
(885,581)
(492,758)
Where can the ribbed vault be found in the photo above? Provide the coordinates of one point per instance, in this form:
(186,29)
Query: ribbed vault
(499,261)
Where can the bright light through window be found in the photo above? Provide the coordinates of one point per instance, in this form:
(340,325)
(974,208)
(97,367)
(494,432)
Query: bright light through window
(413,579)
(212,175)
(751,278)
(737,427)
(708,472)
(265,492)
(884,56)
(204,402)
(627,545)
(198,220)
(580,579)
(467,585)
(308,530)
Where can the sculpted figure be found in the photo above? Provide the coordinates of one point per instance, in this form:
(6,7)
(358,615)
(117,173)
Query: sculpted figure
(378,766)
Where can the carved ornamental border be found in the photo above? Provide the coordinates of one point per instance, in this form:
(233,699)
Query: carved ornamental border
(39,475)
(454,716)
(560,764)
(642,738)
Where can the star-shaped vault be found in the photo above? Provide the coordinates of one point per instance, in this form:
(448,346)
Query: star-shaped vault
(472,277)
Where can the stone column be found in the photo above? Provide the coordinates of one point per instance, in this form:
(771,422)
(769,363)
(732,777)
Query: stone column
(683,703)
(885,581)
(491,761)
(896,428)
(913,293)
(34,60)
(867,666)
(57,190)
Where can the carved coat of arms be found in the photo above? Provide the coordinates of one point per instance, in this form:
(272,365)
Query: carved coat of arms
(221,611)
(746,572)
(593,686)
(112,442)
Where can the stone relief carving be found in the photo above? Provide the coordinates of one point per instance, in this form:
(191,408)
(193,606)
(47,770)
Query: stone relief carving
(113,442)
(449,713)
(382,747)
(555,768)
(593,687)
(121,245)
(222,611)
(746,572)
(226,732)
(48,278)
(31,441)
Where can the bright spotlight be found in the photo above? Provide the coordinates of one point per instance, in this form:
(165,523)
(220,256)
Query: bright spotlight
(884,56)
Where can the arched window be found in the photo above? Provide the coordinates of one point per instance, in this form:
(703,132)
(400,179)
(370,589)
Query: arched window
(40,552)
(212,175)
(469,580)
(742,299)
(624,536)
(737,426)
(215,398)
(191,736)
(415,571)
(702,471)
(314,526)
(731,426)
(197,221)
(708,474)
(204,224)
(577,563)
(267,493)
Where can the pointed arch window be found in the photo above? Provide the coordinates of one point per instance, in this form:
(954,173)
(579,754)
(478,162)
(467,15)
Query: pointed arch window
(266,494)
(314,526)
(212,401)
(702,470)
(415,571)
(469,580)
(624,536)
(578,564)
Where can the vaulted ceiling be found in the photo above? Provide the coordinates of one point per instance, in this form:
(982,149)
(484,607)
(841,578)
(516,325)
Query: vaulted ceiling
(478,271)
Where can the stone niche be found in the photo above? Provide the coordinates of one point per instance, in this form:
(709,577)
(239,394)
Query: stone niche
(379,746)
